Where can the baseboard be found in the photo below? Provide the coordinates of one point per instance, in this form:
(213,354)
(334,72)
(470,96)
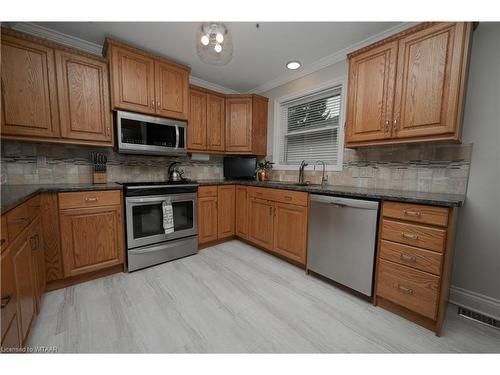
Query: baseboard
(476,302)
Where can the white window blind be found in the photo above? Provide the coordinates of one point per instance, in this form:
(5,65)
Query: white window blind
(310,128)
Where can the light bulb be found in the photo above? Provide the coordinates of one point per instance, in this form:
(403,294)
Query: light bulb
(218,48)
(219,38)
(205,40)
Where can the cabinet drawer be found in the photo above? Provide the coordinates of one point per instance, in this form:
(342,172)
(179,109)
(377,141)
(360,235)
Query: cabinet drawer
(416,212)
(89,199)
(415,290)
(260,193)
(414,235)
(21,216)
(279,195)
(410,256)
(207,191)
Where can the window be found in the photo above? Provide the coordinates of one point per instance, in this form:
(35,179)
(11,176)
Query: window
(309,129)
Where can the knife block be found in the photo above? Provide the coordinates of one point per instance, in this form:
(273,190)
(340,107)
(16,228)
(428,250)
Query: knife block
(99,178)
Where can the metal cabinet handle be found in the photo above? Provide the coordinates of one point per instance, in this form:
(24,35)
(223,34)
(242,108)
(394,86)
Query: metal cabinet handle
(410,236)
(91,199)
(274,211)
(259,194)
(412,213)
(5,302)
(288,198)
(395,126)
(152,103)
(35,242)
(158,104)
(408,258)
(2,241)
(404,289)
(387,122)
(270,210)
(20,220)
(35,206)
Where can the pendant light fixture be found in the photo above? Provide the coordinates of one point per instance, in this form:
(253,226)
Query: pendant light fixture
(214,45)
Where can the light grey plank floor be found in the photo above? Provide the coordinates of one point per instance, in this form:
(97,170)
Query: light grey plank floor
(235,298)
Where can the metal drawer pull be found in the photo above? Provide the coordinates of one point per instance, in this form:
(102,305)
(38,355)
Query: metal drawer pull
(404,289)
(2,241)
(410,236)
(288,198)
(91,199)
(259,194)
(35,206)
(408,258)
(270,210)
(5,302)
(412,213)
(20,220)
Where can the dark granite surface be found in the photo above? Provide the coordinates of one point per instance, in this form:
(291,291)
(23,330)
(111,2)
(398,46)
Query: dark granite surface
(14,195)
(436,199)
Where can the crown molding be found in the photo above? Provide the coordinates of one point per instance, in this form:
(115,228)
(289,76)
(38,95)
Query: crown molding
(211,86)
(330,59)
(58,37)
(96,49)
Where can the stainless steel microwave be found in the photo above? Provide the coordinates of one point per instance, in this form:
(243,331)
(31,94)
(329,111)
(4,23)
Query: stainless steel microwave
(149,135)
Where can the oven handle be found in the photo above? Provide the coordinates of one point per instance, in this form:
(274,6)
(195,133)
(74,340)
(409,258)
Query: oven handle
(176,136)
(185,197)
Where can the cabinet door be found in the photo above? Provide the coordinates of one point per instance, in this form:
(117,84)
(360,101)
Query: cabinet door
(241,203)
(207,219)
(215,122)
(132,81)
(428,90)
(11,337)
(38,256)
(25,283)
(83,98)
(225,211)
(259,126)
(197,126)
(371,92)
(239,125)
(290,231)
(29,97)
(260,222)
(171,88)
(8,292)
(91,239)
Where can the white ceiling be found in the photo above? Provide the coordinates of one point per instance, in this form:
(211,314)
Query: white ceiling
(259,56)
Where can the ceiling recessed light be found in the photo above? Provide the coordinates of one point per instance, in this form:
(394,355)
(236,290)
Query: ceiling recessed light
(293,65)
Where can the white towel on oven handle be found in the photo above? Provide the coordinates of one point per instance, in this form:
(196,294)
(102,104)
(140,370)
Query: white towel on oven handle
(168,216)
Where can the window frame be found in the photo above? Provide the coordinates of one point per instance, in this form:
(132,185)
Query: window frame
(277,131)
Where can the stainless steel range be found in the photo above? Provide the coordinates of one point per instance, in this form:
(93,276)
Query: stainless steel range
(150,238)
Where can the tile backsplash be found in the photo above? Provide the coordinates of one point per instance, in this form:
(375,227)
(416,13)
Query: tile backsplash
(419,167)
(437,168)
(43,163)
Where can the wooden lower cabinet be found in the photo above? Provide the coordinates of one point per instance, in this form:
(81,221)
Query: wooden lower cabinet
(207,219)
(260,222)
(290,231)
(10,340)
(241,212)
(91,239)
(225,211)
(8,322)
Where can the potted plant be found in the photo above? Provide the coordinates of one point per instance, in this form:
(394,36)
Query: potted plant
(263,170)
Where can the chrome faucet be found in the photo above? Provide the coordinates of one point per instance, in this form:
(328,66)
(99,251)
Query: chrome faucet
(324,179)
(303,164)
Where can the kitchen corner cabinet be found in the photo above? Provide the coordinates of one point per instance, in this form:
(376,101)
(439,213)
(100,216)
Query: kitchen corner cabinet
(246,124)
(92,236)
(53,93)
(409,87)
(277,221)
(216,213)
(145,83)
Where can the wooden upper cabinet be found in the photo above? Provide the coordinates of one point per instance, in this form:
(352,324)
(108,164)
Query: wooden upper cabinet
(215,122)
(239,125)
(197,127)
(132,80)
(226,210)
(171,88)
(91,239)
(409,87)
(430,73)
(143,82)
(371,91)
(29,97)
(83,98)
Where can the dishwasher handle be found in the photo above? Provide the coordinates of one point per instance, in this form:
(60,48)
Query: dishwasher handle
(345,202)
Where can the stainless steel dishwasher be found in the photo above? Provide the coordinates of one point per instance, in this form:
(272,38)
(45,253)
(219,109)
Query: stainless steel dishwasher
(341,245)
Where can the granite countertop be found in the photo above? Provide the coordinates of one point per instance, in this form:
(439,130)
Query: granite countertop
(14,195)
(436,199)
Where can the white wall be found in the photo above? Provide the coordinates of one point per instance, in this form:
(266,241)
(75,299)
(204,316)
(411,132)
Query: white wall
(476,271)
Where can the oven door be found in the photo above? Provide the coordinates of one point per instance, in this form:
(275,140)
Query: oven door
(145,218)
